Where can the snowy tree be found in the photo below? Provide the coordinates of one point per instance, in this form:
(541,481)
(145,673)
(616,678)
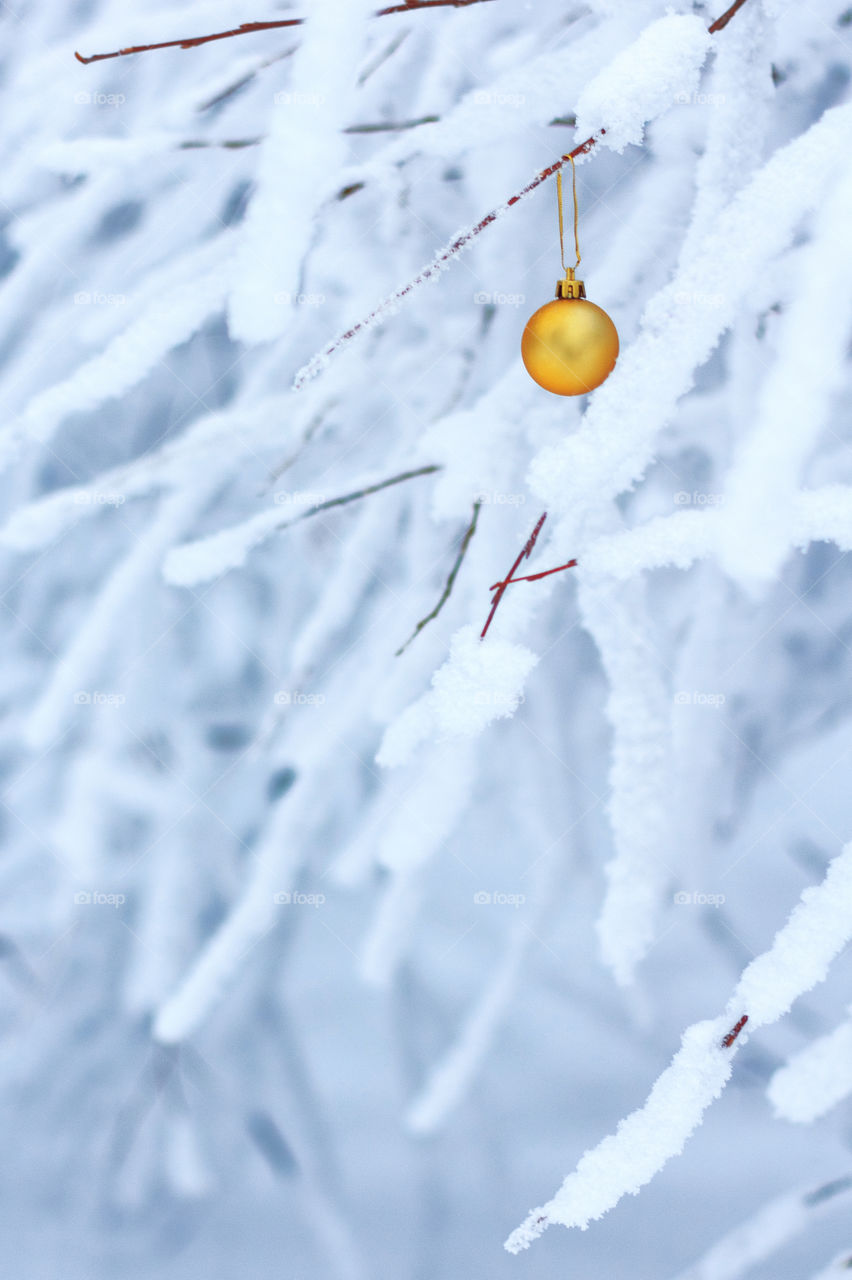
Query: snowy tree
(339,928)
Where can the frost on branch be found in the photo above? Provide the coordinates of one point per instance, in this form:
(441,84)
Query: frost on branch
(615,442)
(796,400)
(766,1232)
(480,682)
(264,999)
(297,170)
(644,80)
(639,710)
(818,929)
(815,1079)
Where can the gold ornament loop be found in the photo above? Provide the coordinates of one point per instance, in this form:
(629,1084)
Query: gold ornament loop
(576,216)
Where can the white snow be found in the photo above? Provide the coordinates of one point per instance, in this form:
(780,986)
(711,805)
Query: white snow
(615,442)
(660,68)
(815,1079)
(480,682)
(819,928)
(298,168)
(795,402)
(255,1001)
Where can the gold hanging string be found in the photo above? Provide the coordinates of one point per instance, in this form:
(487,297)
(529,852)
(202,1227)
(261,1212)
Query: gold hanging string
(576,215)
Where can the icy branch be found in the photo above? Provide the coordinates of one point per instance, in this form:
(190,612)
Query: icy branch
(796,400)
(616,441)
(639,85)
(207,558)
(168,321)
(774,1225)
(639,711)
(818,929)
(816,1078)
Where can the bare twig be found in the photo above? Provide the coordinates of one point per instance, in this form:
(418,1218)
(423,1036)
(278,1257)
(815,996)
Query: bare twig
(310,431)
(383,55)
(721,23)
(379,126)
(390,126)
(227,144)
(190,42)
(445,595)
(501,587)
(534,577)
(399,126)
(461,241)
(359,493)
(234,87)
(424,4)
(735,1030)
(248,28)
(435,267)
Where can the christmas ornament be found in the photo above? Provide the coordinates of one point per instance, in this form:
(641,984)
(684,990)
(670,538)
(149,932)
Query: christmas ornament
(569,345)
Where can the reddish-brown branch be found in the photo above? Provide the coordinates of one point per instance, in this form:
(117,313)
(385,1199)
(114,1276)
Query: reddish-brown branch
(190,42)
(247,28)
(735,1030)
(436,265)
(721,23)
(501,587)
(534,577)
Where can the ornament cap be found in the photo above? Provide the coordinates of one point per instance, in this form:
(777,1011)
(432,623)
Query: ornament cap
(570,287)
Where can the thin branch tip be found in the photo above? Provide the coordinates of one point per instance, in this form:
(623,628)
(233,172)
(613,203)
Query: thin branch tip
(249,28)
(735,1030)
(448,587)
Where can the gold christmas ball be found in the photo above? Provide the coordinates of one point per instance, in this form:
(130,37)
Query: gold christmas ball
(569,346)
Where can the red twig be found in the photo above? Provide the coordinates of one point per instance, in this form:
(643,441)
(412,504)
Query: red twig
(721,23)
(501,586)
(436,265)
(735,1030)
(247,28)
(534,577)
(456,246)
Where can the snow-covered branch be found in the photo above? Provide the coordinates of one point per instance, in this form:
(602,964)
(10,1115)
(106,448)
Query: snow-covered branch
(818,929)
